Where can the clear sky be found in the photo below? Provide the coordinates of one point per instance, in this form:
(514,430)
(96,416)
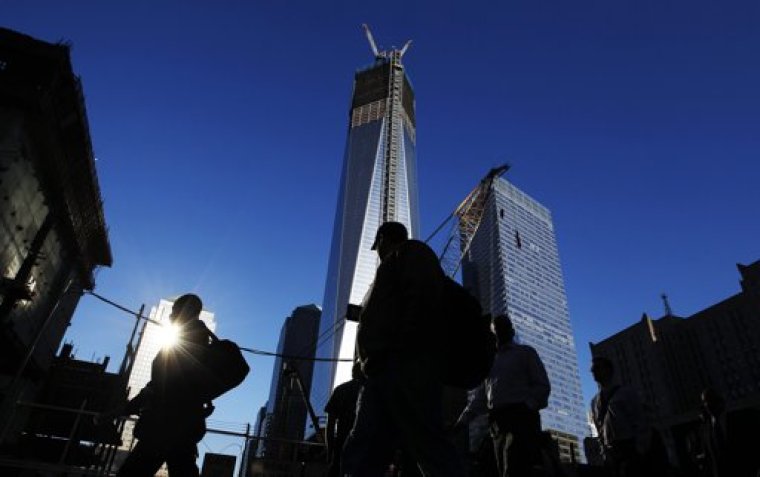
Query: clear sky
(219,132)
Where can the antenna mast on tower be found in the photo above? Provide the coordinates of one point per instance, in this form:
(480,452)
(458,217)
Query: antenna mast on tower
(666,302)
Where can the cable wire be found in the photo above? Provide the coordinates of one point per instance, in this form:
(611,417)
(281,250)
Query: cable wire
(242,348)
(327,334)
(288,356)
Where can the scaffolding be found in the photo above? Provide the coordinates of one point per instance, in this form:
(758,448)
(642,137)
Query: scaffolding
(42,86)
(304,459)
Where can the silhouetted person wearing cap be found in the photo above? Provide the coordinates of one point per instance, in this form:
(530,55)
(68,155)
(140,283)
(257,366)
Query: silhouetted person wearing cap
(400,404)
(617,415)
(172,416)
(516,388)
(341,413)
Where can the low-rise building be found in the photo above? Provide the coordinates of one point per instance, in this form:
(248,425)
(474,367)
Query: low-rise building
(60,428)
(671,360)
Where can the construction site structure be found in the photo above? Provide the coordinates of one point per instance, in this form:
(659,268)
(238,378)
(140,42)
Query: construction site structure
(60,429)
(393,139)
(52,227)
(464,223)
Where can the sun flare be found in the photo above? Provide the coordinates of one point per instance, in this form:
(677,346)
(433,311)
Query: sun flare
(169,335)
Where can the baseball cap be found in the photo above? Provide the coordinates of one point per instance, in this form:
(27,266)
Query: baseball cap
(394,231)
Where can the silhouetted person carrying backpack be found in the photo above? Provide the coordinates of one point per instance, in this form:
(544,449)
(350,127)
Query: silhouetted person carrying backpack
(617,415)
(516,388)
(341,413)
(400,404)
(172,413)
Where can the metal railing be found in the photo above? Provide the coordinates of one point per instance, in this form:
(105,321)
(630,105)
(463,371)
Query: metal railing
(107,450)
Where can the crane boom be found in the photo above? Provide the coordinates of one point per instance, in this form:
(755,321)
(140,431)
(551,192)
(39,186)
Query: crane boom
(371,41)
(404,48)
(467,216)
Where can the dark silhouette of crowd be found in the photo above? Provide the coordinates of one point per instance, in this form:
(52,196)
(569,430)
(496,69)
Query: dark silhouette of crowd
(397,410)
(397,415)
(629,446)
(388,420)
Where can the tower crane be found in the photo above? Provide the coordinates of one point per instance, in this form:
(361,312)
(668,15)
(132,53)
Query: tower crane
(467,216)
(372,44)
(383,54)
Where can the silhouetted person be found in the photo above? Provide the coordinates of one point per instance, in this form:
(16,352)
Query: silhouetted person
(617,416)
(400,404)
(341,413)
(729,444)
(172,415)
(516,388)
(714,436)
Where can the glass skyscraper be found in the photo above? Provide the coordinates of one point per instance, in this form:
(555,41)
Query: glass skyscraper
(286,412)
(378,183)
(513,267)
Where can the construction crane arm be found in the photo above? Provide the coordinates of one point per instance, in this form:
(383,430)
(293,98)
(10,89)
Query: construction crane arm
(467,217)
(406,47)
(371,40)
(497,172)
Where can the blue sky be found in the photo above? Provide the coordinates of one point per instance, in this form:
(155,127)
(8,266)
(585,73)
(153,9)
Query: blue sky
(219,133)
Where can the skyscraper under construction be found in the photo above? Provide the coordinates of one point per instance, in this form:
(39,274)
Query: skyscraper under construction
(378,183)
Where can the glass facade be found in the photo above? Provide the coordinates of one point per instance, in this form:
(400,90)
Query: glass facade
(513,266)
(378,183)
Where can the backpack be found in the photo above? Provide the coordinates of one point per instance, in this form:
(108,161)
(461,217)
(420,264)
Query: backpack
(223,368)
(469,343)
